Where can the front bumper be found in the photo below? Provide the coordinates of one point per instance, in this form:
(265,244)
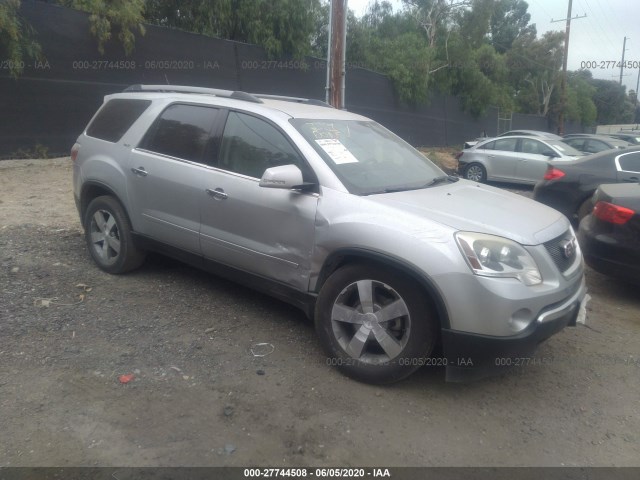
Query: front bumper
(472,356)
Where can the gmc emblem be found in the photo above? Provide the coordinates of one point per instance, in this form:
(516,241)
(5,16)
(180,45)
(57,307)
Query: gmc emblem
(568,248)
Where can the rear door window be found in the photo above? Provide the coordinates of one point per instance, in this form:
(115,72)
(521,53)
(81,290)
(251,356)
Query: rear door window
(506,144)
(630,162)
(116,117)
(181,131)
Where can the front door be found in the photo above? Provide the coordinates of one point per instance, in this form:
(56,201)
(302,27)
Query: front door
(265,231)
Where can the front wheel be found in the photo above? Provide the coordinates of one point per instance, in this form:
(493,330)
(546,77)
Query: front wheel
(108,235)
(374,323)
(476,173)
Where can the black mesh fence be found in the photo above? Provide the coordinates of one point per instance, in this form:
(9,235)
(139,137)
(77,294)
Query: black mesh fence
(52,101)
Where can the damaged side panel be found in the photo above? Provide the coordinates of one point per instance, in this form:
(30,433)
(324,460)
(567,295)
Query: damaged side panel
(370,227)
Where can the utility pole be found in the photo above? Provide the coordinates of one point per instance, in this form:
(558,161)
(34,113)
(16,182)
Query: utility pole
(563,84)
(336,53)
(624,48)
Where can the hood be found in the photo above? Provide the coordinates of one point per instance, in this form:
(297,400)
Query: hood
(475,207)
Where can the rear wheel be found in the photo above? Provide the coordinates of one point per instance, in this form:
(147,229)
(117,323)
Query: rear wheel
(375,324)
(108,236)
(475,172)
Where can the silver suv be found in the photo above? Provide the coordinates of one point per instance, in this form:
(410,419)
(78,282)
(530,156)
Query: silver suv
(328,210)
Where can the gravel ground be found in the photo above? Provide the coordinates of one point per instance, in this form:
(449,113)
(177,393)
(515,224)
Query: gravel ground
(200,397)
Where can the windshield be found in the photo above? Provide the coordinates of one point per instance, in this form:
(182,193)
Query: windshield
(366,157)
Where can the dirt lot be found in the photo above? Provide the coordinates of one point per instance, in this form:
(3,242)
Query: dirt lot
(200,397)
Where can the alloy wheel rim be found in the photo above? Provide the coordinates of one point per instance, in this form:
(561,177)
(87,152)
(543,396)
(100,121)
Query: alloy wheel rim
(474,173)
(371,322)
(105,236)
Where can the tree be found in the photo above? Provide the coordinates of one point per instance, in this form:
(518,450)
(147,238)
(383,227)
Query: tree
(474,23)
(17,38)
(509,21)
(612,103)
(107,16)
(580,106)
(534,66)
(282,27)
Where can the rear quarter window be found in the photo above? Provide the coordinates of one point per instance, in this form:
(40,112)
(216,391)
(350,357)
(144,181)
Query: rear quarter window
(115,118)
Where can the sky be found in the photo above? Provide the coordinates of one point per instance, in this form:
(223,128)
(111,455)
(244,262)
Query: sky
(596,38)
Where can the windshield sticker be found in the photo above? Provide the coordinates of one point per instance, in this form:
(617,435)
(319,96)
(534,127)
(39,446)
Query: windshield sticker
(336,151)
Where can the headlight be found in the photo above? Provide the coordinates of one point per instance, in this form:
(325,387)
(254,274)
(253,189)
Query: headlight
(491,256)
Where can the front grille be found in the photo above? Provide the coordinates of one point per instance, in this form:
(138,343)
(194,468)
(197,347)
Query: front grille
(556,249)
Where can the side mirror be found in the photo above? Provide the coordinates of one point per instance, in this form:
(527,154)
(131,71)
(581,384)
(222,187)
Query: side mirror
(286,177)
(551,153)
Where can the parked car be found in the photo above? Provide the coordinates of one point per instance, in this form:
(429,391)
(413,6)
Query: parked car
(631,137)
(333,213)
(511,133)
(595,143)
(568,187)
(531,133)
(610,235)
(517,159)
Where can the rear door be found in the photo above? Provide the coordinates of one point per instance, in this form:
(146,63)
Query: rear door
(628,167)
(532,164)
(264,231)
(166,175)
(501,158)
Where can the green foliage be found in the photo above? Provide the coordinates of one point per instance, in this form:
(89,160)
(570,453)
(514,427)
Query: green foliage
(282,27)
(612,103)
(107,16)
(509,21)
(17,38)
(580,106)
(406,60)
(534,66)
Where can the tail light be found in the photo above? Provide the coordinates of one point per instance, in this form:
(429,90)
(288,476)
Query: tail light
(74,152)
(610,213)
(458,155)
(553,173)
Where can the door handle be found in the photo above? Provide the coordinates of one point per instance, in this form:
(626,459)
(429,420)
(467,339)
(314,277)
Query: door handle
(218,193)
(140,171)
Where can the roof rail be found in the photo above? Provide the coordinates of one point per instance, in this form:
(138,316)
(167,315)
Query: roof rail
(238,95)
(308,101)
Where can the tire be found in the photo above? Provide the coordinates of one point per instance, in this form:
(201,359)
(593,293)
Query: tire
(476,173)
(107,231)
(585,209)
(357,342)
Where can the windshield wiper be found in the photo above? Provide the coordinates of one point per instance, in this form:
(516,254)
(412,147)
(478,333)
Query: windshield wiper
(440,179)
(430,183)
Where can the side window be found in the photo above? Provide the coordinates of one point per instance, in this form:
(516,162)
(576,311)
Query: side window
(489,146)
(181,131)
(595,146)
(630,162)
(251,145)
(115,118)
(532,146)
(577,143)
(506,144)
